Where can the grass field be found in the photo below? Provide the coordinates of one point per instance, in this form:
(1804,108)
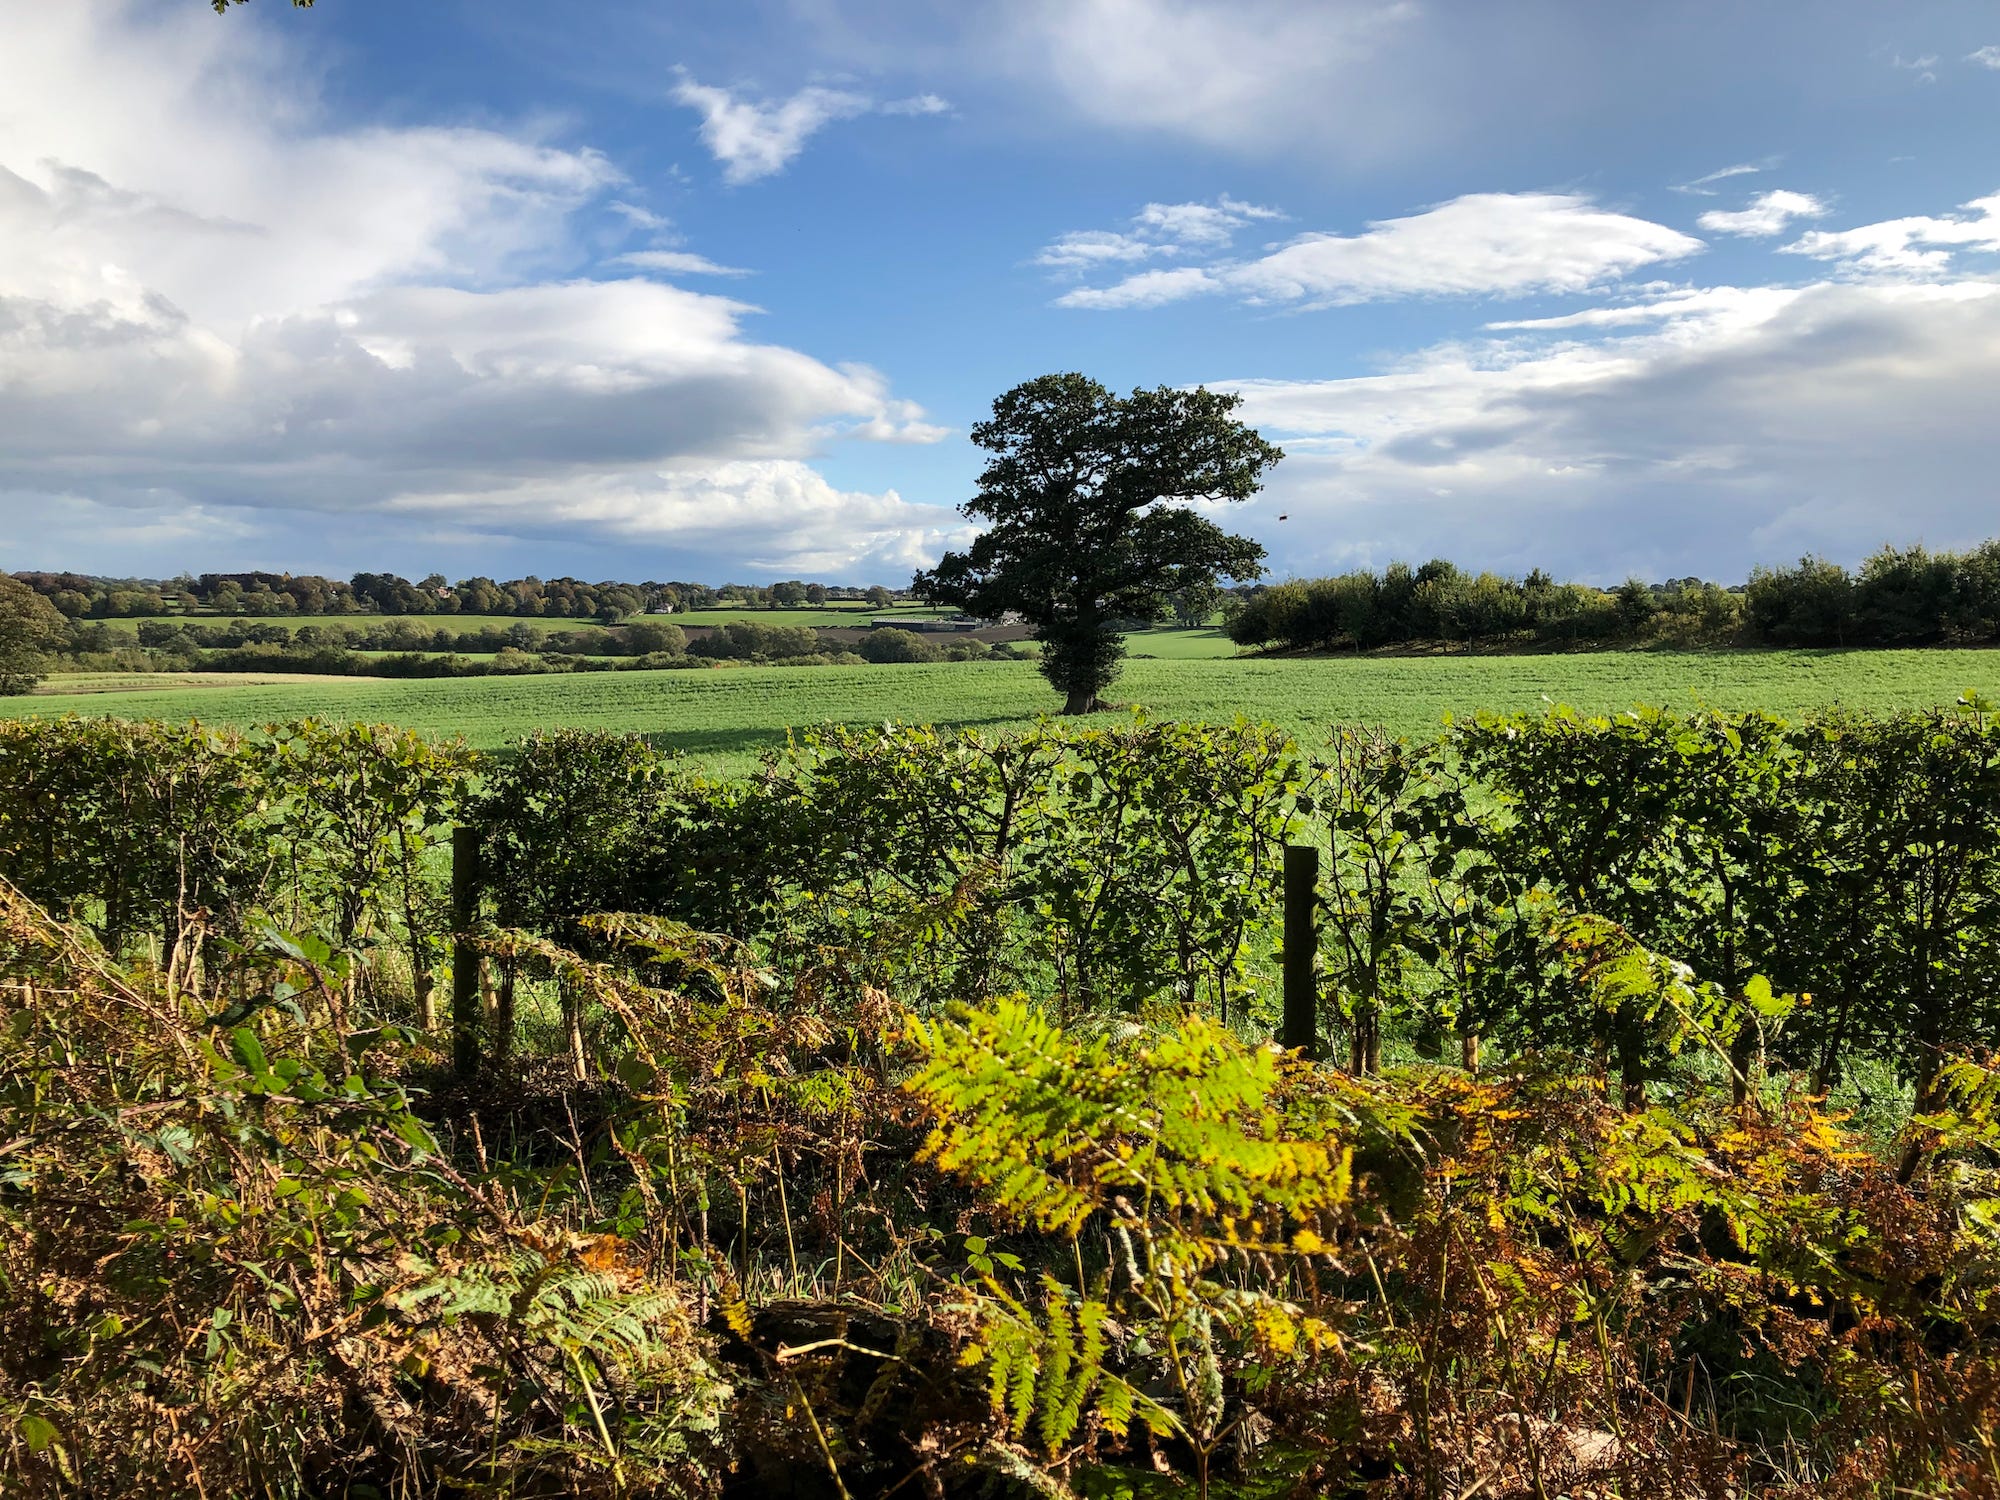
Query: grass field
(1169,643)
(725,717)
(162,684)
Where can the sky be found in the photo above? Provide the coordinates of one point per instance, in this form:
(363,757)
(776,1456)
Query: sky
(716,289)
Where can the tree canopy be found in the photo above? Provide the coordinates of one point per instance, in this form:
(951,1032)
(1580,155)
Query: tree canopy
(30,628)
(1085,493)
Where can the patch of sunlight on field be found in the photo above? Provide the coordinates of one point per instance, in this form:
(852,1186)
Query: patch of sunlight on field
(831,616)
(1170,643)
(74,684)
(726,717)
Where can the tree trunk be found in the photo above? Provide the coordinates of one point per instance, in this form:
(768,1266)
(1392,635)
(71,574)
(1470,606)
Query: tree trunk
(427,1008)
(1364,1045)
(1924,1103)
(1082,701)
(1742,1060)
(1631,1067)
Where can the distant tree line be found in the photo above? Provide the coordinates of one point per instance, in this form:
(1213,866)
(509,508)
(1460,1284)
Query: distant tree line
(1899,597)
(83,596)
(406,647)
(406,633)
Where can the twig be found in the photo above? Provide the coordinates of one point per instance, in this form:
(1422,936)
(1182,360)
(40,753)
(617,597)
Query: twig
(795,1351)
(832,1467)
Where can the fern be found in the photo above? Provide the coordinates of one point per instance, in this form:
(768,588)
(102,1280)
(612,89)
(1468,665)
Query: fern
(1187,1147)
(1049,1371)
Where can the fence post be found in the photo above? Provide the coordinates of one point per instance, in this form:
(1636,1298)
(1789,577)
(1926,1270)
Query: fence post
(1301,1022)
(465,997)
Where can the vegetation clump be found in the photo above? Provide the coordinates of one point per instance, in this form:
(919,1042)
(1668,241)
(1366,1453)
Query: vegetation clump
(898,1119)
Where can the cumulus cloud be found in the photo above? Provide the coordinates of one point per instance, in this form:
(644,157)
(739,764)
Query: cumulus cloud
(1767,214)
(755,138)
(1482,244)
(1716,428)
(794,519)
(1918,244)
(1985,57)
(215,304)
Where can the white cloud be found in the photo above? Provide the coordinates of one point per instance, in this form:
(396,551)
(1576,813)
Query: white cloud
(1162,229)
(216,306)
(1915,245)
(1985,57)
(1147,289)
(1700,186)
(755,138)
(1924,67)
(1084,248)
(1482,244)
(774,515)
(1660,304)
(1767,214)
(640,217)
(1201,224)
(678,263)
(1735,426)
(1231,74)
(918,104)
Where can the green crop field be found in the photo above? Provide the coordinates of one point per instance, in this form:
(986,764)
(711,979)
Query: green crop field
(725,717)
(1168,643)
(87,685)
(830,616)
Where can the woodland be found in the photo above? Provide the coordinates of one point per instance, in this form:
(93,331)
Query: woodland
(908,1117)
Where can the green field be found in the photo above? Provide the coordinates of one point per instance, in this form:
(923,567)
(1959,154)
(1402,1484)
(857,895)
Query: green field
(180,685)
(725,717)
(829,616)
(1169,643)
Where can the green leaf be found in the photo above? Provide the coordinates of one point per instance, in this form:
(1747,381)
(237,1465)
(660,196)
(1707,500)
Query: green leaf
(249,1051)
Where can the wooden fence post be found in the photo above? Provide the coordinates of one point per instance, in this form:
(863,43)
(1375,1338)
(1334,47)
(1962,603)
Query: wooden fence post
(1301,1022)
(465,996)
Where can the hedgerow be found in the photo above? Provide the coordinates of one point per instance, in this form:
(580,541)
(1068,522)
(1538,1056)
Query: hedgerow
(898,1119)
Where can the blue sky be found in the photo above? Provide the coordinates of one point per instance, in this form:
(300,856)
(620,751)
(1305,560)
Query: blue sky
(626,289)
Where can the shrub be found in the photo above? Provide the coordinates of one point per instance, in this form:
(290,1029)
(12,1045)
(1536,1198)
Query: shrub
(651,637)
(744,640)
(887,644)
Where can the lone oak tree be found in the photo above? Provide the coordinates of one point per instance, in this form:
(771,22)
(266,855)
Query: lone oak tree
(1087,530)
